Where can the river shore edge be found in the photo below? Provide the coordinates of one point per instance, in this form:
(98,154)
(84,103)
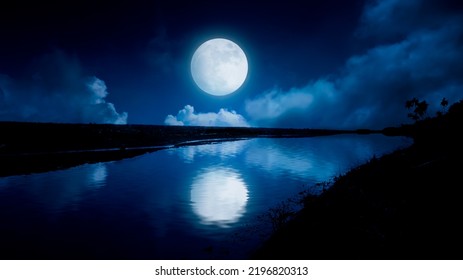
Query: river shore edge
(403,205)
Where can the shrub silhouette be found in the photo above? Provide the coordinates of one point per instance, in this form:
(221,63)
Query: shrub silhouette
(419,108)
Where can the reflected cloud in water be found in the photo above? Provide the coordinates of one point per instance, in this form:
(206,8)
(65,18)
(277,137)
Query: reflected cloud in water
(61,190)
(316,159)
(97,175)
(277,160)
(221,150)
(304,161)
(219,196)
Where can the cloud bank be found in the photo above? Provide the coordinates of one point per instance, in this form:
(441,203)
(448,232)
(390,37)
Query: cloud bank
(57,90)
(416,52)
(188,116)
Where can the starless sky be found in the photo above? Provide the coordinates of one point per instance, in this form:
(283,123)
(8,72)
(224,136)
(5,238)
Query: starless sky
(316,64)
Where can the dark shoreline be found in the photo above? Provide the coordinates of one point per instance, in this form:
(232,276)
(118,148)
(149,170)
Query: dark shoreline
(39,147)
(404,205)
(394,207)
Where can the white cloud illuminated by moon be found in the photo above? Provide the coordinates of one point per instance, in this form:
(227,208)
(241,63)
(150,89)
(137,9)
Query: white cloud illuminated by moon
(188,116)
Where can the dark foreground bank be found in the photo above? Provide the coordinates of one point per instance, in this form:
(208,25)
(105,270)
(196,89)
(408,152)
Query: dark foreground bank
(406,205)
(38,147)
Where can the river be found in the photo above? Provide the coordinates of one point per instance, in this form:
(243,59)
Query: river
(193,202)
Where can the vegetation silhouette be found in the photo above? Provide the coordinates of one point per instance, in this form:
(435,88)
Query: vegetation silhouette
(444,103)
(419,108)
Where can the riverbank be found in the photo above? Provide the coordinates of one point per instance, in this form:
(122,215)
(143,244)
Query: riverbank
(39,147)
(405,205)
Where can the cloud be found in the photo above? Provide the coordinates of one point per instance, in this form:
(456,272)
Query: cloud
(98,109)
(57,90)
(395,19)
(277,104)
(418,58)
(187,116)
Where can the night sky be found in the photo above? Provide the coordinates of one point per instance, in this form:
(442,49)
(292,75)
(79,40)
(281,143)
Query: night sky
(315,64)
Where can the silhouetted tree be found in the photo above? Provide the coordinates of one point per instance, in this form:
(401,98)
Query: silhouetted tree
(411,103)
(444,103)
(420,108)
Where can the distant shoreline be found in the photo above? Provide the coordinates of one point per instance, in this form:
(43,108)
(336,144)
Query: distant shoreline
(39,147)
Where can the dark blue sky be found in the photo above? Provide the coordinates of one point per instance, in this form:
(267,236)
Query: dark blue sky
(328,64)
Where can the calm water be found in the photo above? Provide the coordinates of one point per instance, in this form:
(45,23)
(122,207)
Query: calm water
(186,203)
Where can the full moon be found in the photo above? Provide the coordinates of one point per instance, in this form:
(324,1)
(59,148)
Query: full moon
(219,67)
